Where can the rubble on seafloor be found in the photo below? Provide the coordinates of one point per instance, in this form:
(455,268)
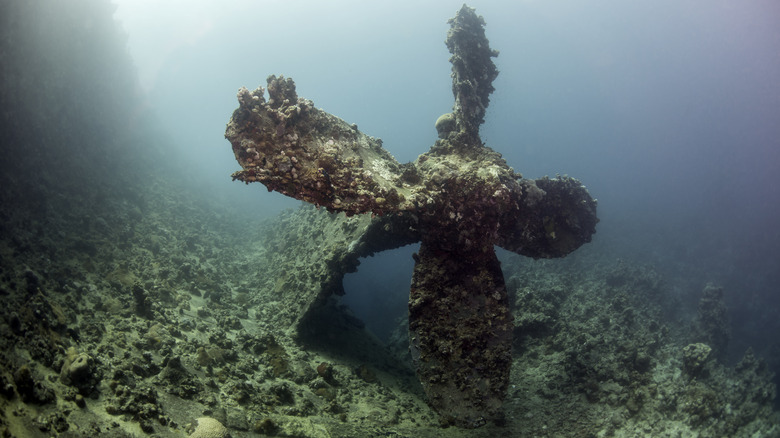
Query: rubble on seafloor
(595,351)
(134,306)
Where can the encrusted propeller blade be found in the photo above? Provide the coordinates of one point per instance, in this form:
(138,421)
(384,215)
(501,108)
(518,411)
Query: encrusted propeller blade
(557,216)
(460,333)
(305,153)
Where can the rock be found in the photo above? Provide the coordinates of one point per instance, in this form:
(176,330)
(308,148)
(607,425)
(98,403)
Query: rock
(76,369)
(31,388)
(32,280)
(6,387)
(266,426)
(366,374)
(236,420)
(325,370)
(179,380)
(143,303)
(695,357)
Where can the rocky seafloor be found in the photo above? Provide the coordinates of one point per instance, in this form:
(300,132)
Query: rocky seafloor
(144,334)
(133,304)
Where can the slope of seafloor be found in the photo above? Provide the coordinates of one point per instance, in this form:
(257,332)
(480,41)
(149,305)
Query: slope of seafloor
(144,336)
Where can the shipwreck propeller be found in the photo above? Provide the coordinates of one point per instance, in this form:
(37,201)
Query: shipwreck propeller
(461,197)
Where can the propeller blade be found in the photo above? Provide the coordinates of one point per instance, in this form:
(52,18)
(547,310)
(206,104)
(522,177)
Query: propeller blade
(460,333)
